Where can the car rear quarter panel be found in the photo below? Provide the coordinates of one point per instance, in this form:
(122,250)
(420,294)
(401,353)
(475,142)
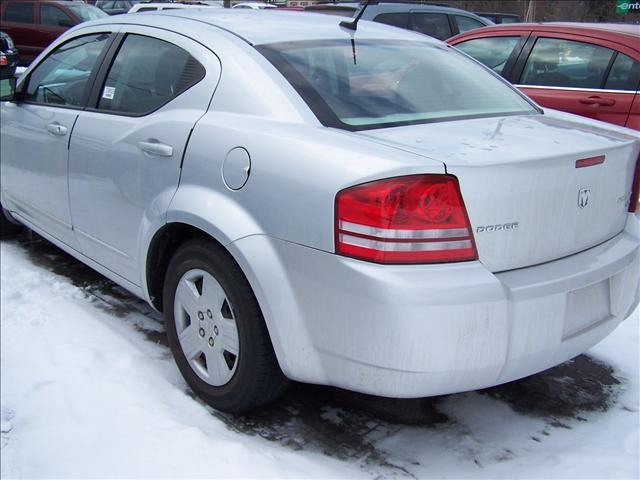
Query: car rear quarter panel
(296,171)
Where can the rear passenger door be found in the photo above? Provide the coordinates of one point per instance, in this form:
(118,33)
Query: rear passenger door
(577,75)
(127,146)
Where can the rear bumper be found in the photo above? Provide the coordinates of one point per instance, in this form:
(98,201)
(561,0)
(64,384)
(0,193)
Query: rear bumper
(411,331)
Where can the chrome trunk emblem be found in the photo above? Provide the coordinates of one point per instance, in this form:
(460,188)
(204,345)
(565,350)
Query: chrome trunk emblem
(584,195)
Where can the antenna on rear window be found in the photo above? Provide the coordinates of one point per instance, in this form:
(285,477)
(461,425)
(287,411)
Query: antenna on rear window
(354,24)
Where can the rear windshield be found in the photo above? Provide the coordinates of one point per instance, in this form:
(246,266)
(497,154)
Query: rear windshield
(377,84)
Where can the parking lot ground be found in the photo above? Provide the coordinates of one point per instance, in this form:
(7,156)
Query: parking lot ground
(89,389)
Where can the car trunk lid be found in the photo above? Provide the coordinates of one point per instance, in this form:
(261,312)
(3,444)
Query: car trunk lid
(537,187)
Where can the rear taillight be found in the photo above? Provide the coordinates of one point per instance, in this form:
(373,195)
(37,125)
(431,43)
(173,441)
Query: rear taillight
(635,188)
(3,60)
(412,219)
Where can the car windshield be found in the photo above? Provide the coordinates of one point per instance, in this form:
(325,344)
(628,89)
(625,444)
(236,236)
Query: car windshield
(87,12)
(376,84)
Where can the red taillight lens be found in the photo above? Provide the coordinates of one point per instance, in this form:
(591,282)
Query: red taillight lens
(635,189)
(3,60)
(412,219)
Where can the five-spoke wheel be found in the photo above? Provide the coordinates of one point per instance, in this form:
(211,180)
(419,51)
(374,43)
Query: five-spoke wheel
(206,327)
(216,330)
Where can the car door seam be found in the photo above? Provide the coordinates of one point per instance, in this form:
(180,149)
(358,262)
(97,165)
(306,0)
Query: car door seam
(68,165)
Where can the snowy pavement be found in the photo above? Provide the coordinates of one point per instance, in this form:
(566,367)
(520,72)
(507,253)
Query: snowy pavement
(89,389)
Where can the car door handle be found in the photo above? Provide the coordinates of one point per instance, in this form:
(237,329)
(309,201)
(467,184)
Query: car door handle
(153,147)
(56,129)
(596,100)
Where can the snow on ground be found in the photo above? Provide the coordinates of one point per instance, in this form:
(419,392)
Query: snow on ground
(89,389)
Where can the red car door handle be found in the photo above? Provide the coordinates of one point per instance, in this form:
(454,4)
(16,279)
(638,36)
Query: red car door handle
(596,100)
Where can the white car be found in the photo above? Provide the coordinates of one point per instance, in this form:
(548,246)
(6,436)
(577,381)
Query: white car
(148,7)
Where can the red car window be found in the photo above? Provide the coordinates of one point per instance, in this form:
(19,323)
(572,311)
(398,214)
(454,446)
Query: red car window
(54,16)
(556,62)
(494,52)
(624,75)
(19,12)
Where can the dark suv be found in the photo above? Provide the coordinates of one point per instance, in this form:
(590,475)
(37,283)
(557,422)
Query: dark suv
(433,20)
(33,25)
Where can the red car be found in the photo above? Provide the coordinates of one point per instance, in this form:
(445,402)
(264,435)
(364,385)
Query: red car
(587,69)
(33,25)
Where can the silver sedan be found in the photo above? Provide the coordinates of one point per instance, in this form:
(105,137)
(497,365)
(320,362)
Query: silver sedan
(366,208)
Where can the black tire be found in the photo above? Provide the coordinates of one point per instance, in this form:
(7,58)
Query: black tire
(258,379)
(7,227)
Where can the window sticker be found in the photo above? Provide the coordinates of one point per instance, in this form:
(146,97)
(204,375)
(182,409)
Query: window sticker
(109,92)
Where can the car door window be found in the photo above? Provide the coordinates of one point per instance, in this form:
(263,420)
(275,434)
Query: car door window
(566,63)
(62,78)
(492,51)
(394,19)
(624,75)
(147,73)
(19,12)
(53,16)
(433,24)
(467,23)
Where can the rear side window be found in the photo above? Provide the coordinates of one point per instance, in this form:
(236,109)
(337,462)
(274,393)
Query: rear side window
(494,52)
(146,74)
(566,63)
(53,16)
(394,19)
(433,24)
(19,12)
(61,78)
(467,23)
(624,75)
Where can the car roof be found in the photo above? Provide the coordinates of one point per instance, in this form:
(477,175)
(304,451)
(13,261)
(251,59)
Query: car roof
(601,30)
(264,26)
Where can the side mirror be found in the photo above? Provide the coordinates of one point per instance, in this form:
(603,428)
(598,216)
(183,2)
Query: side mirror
(8,89)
